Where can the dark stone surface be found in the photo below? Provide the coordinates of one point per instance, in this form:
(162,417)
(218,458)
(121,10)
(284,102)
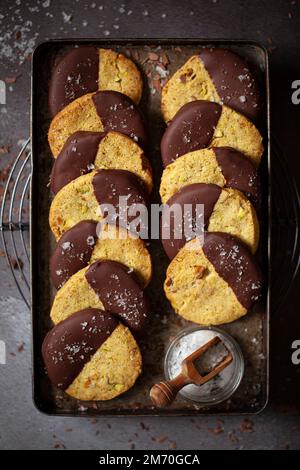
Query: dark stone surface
(22,26)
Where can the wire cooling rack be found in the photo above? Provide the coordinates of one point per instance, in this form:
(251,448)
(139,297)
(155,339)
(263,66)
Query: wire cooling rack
(15,209)
(14,221)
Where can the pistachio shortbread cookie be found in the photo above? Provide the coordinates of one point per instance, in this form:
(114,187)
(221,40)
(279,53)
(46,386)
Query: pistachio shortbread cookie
(87,69)
(214,283)
(224,210)
(223,166)
(201,124)
(214,74)
(87,151)
(91,356)
(107,285)
(81,199)
(97,112)
(88,241)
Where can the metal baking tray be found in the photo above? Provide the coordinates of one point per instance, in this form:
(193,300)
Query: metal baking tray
(251,332)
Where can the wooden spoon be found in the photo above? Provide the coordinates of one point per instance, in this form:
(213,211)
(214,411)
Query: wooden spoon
(163,394)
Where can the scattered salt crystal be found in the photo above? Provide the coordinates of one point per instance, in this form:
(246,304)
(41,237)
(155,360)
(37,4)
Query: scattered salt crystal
(66,246)
(90,241)
(66,17)
(82,408)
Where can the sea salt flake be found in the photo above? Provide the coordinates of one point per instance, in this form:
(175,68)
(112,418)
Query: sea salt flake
(66,246)
(66,17)
(90,241)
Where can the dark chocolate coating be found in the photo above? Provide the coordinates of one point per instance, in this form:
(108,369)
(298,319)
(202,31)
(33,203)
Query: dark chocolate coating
(76,158)
(71,344)
(236,85)
(239,172)
(119,113)
(234,263)
(198,193)
(192,128)
(109,185)
(73,251)
(75,75)
(120,292)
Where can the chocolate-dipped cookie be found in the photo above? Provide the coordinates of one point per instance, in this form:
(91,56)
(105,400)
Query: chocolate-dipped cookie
(217,75)
(97,112)
(81,199)
(87,151)
(214,283)
(222,166)
(201,124)
(88,241)
(91,356)
(224,210)
(107,285)
(87,69)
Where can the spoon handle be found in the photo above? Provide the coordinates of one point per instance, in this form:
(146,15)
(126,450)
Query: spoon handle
(163,394)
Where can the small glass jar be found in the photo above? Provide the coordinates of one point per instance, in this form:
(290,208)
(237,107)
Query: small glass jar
(223,385)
